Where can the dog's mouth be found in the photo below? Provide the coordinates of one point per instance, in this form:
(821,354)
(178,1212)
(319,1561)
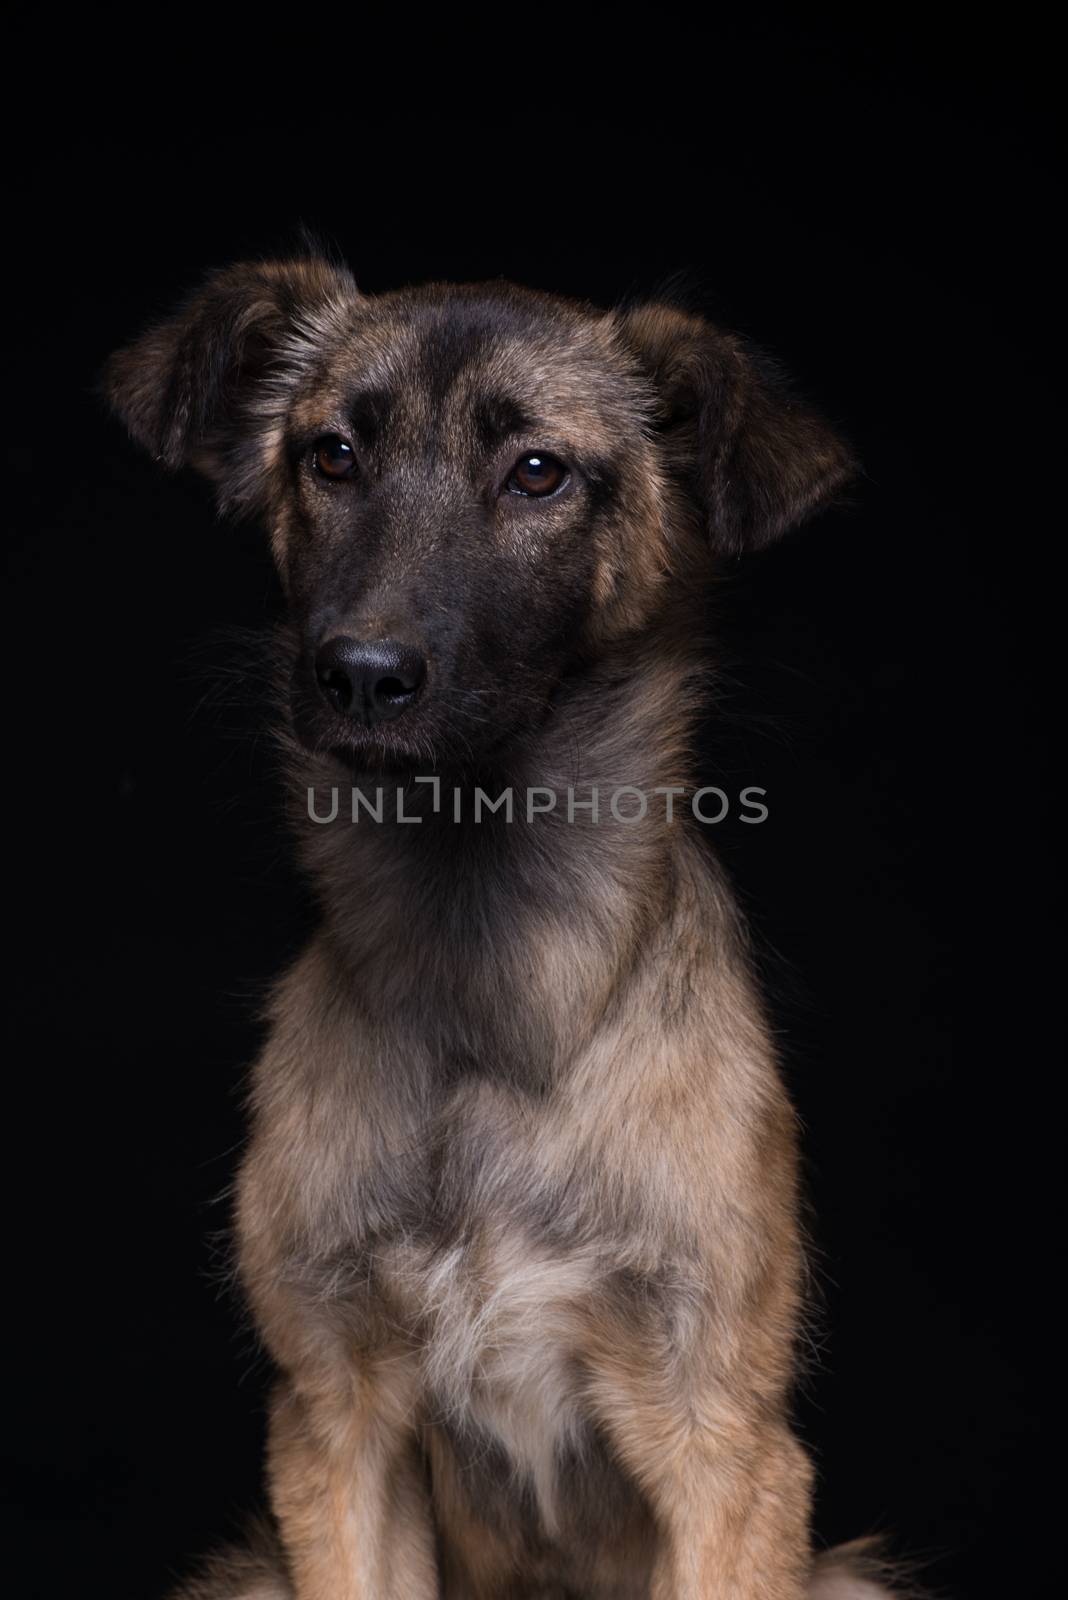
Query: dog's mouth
(357,746)
(413,737)
(431,727)
(422,741)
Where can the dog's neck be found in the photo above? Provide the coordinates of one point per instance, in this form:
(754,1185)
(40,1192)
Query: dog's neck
(446,908)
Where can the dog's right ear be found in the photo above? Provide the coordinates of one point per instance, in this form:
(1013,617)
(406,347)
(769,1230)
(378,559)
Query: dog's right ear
(202,386)
(756,458)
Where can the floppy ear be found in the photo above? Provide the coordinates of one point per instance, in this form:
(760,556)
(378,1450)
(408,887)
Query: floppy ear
(757,459)
(201,386)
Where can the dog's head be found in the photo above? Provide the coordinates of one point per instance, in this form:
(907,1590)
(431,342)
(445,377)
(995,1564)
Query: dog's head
(471,491)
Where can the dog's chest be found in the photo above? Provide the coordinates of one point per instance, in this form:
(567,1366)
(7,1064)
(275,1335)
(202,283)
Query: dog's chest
(496,1299)
(499,1325)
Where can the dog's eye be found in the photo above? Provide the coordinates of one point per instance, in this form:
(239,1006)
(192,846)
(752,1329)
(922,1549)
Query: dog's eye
(333,457)
(537,474)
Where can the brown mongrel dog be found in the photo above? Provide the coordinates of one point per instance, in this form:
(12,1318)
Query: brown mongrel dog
(519,1217)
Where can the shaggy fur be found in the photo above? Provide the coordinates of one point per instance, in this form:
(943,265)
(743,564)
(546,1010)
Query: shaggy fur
(518,1219)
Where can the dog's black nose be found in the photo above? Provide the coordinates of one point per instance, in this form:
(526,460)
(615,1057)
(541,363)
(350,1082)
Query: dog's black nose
(369,682)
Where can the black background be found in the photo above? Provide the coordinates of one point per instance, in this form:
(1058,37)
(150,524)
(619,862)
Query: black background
(876,209)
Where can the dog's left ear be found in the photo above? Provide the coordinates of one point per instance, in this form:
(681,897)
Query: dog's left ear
(757,459)
(206,386)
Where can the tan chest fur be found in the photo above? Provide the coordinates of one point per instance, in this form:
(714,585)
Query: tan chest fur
(497,1305)
(499,1322)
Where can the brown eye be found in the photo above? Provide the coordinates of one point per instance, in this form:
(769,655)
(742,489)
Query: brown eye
(333,457)
(537,474)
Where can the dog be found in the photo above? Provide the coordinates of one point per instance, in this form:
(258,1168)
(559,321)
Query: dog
(518,1220)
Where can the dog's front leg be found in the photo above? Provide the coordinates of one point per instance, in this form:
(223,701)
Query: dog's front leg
(728,1484)
(735,1521)
(733,1517)
(348,1490)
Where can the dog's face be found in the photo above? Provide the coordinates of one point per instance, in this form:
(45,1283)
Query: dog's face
(457,484)
(471,491)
